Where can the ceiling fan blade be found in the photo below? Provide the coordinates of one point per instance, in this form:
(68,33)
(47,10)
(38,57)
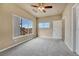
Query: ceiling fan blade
(34,10)
(34,6)
(44,11)
(48,7)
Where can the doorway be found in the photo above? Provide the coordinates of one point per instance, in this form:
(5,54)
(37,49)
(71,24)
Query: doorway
(57,29)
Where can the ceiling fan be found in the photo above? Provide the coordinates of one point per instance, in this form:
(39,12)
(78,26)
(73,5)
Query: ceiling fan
(41,7)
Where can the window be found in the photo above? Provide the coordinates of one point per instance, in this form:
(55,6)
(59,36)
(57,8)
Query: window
(26,26)
(44,25)
(21,26)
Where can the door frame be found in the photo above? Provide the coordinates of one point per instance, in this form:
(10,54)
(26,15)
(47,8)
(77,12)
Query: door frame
(74,26)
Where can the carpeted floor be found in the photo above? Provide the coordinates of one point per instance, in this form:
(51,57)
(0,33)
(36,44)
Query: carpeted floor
(40,47)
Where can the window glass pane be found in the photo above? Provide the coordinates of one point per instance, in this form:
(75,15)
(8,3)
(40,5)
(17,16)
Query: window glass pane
(25,23)
(44,25)
(16,25)
(26,26)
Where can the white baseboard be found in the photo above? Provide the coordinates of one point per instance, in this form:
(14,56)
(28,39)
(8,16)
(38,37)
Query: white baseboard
(69,47)
(14,45)
(77,53)
(49,37)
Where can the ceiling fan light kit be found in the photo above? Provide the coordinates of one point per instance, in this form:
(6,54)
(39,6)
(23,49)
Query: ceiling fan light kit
(41,8)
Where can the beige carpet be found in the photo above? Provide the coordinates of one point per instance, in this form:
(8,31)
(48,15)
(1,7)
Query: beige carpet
(40,47)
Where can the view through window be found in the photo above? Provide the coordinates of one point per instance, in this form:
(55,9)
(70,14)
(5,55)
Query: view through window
(25,26)
(44,25)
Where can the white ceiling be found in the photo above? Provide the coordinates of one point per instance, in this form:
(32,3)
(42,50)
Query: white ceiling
(56,10)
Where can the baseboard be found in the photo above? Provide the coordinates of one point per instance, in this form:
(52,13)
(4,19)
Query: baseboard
(77,53)
(69,47)
(58,38)
(14,45)
(48,37)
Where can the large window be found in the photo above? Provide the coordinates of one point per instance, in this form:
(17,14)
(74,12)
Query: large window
(44,25)
(21,26)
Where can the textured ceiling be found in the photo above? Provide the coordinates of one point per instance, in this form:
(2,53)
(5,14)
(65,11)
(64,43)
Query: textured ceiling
(56,10)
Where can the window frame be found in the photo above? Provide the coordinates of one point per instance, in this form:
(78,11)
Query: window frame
(20,36)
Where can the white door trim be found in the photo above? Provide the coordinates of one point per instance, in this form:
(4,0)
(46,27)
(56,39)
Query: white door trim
(74,26)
